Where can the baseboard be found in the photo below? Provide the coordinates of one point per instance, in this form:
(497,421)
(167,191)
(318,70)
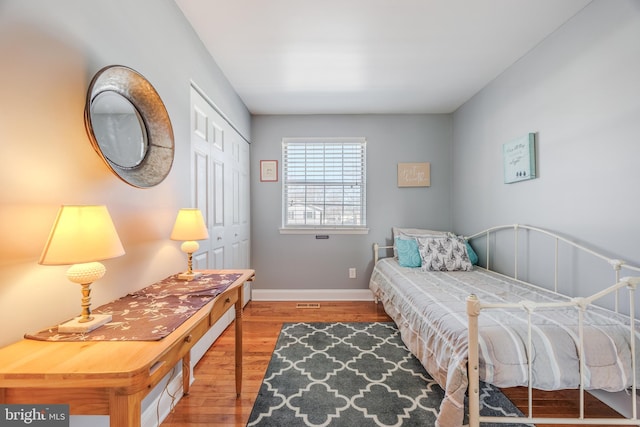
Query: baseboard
(311,295)
(158,407)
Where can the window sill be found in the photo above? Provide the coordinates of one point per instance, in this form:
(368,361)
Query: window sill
(324,231)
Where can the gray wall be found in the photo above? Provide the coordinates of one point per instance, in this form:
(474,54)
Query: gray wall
(50,50)
(579,91)
(285,261)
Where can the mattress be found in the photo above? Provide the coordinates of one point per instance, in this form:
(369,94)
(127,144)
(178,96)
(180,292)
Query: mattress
(430,311)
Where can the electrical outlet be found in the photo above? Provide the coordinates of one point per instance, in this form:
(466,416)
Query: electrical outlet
(352,273)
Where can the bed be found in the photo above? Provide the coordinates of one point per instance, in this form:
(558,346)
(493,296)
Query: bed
(467,315)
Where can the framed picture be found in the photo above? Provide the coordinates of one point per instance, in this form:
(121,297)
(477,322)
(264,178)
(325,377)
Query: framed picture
(268,170)
(519,157)
(414,174)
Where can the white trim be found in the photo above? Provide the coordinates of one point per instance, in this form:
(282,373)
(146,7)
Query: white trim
(311,295)
(322,231)
(329,139)
(156,410)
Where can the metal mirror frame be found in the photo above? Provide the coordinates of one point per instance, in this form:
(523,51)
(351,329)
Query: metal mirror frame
(158,159)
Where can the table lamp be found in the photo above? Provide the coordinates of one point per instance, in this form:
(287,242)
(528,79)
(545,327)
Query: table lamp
(189,227)
(82,236)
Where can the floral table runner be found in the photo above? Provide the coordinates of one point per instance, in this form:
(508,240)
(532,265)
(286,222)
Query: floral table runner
(151,313)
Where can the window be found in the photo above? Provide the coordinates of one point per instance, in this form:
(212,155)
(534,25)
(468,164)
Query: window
(324,184)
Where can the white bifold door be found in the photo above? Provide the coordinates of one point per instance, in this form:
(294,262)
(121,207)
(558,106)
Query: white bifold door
(220,187)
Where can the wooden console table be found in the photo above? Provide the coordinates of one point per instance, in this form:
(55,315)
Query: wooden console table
(112,377)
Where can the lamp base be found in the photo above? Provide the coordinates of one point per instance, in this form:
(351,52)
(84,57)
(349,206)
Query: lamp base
(74,325)
(189,276)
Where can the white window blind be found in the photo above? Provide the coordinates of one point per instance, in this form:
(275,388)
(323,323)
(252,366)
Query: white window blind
(324,183)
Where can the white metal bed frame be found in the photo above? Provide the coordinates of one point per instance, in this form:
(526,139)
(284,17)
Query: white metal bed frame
(475,307)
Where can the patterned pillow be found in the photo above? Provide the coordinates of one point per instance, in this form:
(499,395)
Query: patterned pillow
(444,254)
(408,254)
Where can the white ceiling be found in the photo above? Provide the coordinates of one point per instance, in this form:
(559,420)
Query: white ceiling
(369,56)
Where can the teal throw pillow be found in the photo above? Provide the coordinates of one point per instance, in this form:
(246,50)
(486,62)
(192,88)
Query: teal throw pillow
(408,253)
(473,257)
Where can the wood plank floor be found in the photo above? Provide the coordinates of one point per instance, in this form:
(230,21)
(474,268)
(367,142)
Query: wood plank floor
(212,400)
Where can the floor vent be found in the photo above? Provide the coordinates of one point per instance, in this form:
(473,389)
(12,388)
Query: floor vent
(307,305)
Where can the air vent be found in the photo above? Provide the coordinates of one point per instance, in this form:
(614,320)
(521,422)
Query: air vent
(307,305)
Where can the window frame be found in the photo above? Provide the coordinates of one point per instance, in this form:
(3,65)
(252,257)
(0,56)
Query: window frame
(320,229)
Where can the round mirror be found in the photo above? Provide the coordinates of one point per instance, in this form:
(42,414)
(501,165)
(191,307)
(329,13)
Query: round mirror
(119,129)
(129,126)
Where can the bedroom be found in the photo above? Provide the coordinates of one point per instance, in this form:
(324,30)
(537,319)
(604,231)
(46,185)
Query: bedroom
(578,90)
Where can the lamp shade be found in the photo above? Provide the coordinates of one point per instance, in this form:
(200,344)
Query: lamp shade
(189,225)
(81,234)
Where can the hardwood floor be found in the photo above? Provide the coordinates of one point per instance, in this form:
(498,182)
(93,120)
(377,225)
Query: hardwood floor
(212,400)
(559,404)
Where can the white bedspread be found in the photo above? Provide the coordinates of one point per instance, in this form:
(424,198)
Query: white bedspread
(430,311)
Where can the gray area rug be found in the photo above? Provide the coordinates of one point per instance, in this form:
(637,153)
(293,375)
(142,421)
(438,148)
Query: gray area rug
(352,375)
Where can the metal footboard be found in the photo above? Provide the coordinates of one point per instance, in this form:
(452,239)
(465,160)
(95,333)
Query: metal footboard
(581,304)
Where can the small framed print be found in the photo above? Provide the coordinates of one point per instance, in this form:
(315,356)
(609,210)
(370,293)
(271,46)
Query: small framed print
(414,174)
(268,170)
(519,157)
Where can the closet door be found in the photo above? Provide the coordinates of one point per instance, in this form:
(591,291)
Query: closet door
(207,138)
(238,208)
(244,228)
(220,187)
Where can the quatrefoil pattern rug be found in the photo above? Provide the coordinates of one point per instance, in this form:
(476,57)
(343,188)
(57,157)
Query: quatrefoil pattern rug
(351,375)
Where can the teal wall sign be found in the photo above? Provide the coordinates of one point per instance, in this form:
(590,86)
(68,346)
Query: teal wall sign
(519,158)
